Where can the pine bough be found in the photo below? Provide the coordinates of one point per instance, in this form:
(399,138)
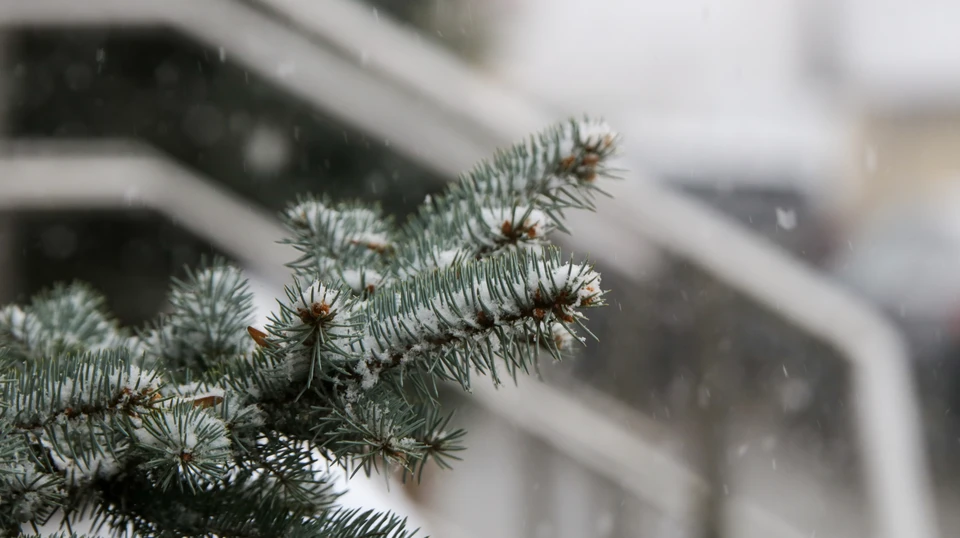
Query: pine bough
(200,425)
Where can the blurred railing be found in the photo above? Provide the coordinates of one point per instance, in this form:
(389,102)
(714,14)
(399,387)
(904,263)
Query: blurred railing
(295,62)
(418,98)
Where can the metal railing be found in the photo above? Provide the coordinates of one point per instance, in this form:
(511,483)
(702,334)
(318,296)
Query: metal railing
(402,105)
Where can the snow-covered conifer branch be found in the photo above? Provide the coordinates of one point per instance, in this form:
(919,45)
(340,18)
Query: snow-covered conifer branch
(361,432)
(56,535)
(238,505)
(212,307)
(472,317)
(50,389)
(440,443)
(316,321)
(202,425)
(67,318)
(349,523)
(558,167)
(185,447)
(345,242)
(26,493)
(512,201)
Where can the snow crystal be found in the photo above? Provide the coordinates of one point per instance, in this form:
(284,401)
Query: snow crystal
(567,146)
(361,279)
(404,443)
(369,377)
(786,218)
(314,293)
(465,313)
(561,336)
(595,134)
(180,432)
(14,319)
(502,221)
(446,258)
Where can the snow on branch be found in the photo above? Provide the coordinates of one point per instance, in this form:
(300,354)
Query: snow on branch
(203,425)
(66,318)
(47,390)
(473,316)
(211,309)
(344,242)
(512,201)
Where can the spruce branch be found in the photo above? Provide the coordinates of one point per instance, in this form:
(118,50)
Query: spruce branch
(369,433)
(344,242)
(355,523)
(56,535)
(512,201)
(87,384)
(285,474)
(317,322)
(211,309)
(383,427)
(237,506)
(27,495)
(439,442)
(67,318)
(474,316)
(185,447)
(202,425)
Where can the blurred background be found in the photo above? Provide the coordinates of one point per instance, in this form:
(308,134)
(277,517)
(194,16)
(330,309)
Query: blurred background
(138,136)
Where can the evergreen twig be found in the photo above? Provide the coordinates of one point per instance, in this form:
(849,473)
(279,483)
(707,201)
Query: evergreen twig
(201,425)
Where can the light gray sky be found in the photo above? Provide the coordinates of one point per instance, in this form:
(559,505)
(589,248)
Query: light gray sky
(731,86)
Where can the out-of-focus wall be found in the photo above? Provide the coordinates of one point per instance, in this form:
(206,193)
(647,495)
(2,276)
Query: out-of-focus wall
(854,101)
(903,158)
(701,90)
(898,53)
(8,237)
(896,63)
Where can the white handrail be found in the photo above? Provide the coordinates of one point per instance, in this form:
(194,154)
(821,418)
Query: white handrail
(117,175)
(401,55)
(623,454)
(887,413)
(294,62)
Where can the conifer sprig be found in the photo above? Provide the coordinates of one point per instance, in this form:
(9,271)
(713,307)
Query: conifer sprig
(471,317)
(512,201)
(66,318)
(348,242)
(203,425)
(88,384)
(350,523)
(212,307)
